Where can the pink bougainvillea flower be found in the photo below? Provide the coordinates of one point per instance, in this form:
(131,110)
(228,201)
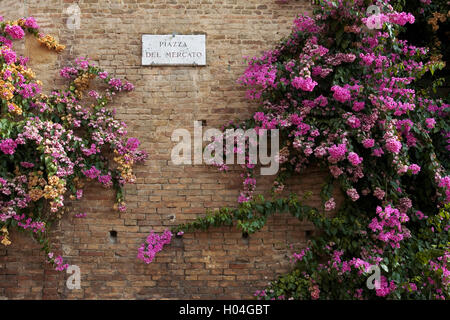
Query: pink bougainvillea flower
(305,84)
(15,31)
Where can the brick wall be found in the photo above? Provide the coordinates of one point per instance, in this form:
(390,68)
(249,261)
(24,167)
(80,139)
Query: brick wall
(214,265)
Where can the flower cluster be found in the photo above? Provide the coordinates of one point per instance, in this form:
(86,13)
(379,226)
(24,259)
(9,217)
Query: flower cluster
(389,226)
(153,244)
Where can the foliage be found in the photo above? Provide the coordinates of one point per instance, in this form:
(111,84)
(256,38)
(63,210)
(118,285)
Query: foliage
(49,144)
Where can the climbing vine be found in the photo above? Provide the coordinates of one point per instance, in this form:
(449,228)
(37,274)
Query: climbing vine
(51,143)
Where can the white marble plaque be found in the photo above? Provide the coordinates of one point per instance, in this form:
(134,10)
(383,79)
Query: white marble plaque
(173,50)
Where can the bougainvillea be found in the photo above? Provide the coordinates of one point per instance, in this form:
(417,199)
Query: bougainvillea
(342,95)
(153,244)
(51,143)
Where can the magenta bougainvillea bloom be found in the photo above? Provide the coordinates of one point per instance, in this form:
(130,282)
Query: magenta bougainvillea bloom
(15,31)
(304,84)
(153,244)
(341,94)
(8,146)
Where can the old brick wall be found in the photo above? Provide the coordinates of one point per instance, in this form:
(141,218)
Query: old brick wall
(214,265)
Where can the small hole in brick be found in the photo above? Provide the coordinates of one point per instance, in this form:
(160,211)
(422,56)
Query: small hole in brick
(113,236)
(204,124)
(308,233)
(245,235)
